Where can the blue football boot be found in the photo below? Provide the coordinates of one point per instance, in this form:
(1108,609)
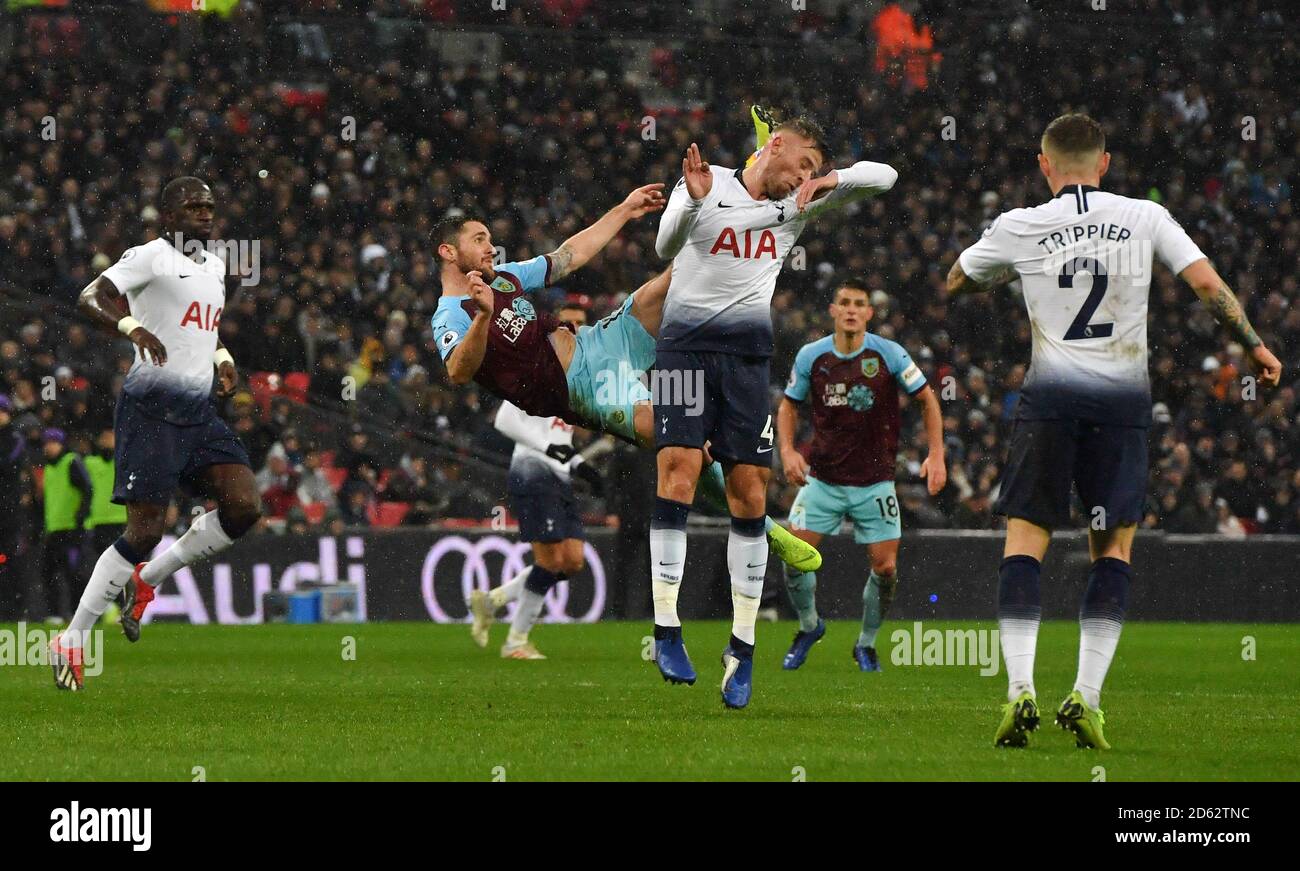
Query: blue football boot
(803,642)
(866,658)
(737,673)
(670,655)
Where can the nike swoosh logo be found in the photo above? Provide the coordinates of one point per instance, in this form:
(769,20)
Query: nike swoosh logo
(723,206)
(765,450)
(755,565)
(662,563)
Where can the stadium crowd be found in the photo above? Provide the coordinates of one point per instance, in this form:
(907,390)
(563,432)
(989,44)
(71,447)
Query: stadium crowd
(338,171)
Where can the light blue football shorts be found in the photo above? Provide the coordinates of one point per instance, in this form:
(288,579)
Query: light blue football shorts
(821,507)
(605,374)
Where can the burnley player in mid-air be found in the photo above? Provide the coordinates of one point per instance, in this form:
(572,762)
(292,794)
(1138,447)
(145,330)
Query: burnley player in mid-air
(168,434)
(728,233)
(488,331)
(1084,259)
(851,379)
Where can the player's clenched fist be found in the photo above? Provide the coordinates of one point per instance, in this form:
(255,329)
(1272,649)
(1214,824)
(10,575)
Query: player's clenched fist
(699,179)
(1267,366)
(150,347)
(645,199)
(480,292)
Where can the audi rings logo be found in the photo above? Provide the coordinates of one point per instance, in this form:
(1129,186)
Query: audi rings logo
(472,554)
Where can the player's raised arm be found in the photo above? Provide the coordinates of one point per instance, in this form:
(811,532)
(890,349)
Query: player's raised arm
(684,204)
(1223,304)
(839,187)
(579,248)
(103,303)
(466,352)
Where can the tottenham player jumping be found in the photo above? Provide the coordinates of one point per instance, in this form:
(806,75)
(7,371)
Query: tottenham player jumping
(167,430)
(728,233)
(1084,259)
(490,332)
(852,380)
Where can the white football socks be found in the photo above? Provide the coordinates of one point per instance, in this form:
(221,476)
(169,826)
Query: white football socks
(1019,642)
(526,614)
(204,538)
(509,591)
(1098,638)
(109,576)
(667,560)
(747,565)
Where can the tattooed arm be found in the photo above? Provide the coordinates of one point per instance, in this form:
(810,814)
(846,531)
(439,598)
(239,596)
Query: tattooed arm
(960,282)
(579,248)
(1223,304)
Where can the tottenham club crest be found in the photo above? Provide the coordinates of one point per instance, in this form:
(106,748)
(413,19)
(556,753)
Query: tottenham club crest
(861,398)
(524,309)
(870,367)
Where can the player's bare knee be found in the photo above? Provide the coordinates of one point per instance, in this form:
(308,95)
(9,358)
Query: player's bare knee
(884,569)
(240,514)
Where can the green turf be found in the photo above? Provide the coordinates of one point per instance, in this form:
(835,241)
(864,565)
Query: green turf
(421,702)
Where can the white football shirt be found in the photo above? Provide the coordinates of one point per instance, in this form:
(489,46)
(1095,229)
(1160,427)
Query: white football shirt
(727,250)
(180,302)
(1084,260)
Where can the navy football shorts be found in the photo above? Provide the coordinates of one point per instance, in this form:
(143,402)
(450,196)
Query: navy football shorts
(1107,466)
(716,397)
(544,505)
(154,458)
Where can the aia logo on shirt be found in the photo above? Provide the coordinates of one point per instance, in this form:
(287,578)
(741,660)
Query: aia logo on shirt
(204,317)
(754,248)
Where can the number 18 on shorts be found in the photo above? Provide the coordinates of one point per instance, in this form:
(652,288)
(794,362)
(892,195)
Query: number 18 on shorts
(822,507)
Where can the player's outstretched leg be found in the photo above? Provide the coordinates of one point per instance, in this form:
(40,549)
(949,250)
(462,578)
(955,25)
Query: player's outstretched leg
(111,574)
(802,588)
(238,509)
(1019,613)
(531,598)
(483,607)
(667,561)
(764,124)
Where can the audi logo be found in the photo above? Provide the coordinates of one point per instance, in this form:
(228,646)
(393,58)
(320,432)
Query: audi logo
(474,574)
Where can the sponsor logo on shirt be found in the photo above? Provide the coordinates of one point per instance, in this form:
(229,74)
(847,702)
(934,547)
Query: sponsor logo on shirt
(754,246)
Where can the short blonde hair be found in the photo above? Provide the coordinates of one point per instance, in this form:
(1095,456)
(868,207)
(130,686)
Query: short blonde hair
(1074,136)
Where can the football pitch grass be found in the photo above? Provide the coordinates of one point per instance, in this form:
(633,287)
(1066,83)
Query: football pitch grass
(420,701)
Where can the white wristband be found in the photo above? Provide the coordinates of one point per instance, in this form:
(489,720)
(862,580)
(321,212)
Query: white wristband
(222,356)
(127,324)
